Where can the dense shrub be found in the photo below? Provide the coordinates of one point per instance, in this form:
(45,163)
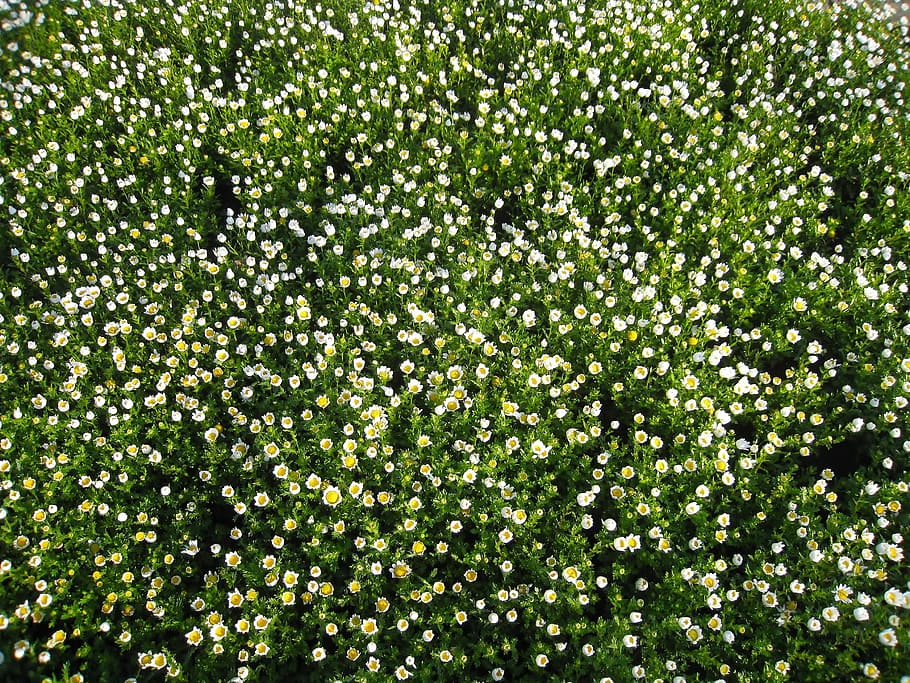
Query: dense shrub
(454,341)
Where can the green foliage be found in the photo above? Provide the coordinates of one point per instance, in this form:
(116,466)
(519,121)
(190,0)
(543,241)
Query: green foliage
(453,341)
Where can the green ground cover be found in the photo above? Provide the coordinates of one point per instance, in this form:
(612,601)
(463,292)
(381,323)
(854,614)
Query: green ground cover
(526,341)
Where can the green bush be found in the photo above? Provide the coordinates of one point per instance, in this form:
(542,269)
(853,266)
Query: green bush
(453,341)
